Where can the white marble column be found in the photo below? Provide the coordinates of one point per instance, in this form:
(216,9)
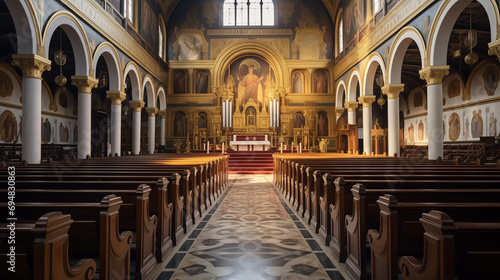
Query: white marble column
(136,125)
(163,116)
(367,122)
(392,91)
(434,76)
(116,120)
(32,67)
(351,112)
(151,128)
(85,85)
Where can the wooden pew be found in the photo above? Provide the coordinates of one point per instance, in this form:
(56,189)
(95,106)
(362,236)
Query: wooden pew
(41,251)
(86,214)
(455,250)
(398,234)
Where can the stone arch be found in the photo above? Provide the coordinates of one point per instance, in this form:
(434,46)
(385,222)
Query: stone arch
(148,83)
(27,27)
(375,60)
(398,49)
(443,24)
(135,80)
(354,77)
(341,90)
(162,99)
(76,34)
(110,55)
(252,47)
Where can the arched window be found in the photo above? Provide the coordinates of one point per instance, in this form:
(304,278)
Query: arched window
(129,10)
(341,35)
(376,6)
(248,13)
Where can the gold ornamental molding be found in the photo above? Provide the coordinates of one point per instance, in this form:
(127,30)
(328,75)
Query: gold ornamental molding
(106,25)
(434,74)
(494,48)
(151,111)
(389,25)
(339,111)
(162,114)
(136,105)
(32,65)
(249,32)
(351,106)
(84,84)
(392,91)
(116,97)
(367,100)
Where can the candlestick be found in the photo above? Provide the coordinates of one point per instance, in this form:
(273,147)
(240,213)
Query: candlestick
(300,147)
(291,147)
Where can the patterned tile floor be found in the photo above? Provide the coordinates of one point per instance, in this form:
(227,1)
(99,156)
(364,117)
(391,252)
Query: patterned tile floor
(251,233)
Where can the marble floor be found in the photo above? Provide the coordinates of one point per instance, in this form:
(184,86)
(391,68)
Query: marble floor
(251,233)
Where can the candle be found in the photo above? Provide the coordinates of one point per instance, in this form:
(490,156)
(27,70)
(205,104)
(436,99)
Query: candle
(281,148)
(300,147)
(208,147)
(222,147)
(204,146)
(291,147)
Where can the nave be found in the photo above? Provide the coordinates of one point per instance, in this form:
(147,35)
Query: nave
(251,233)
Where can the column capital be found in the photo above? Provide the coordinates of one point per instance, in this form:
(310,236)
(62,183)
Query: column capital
(366,100)
(339,111)
(351,106)
(136,105)
(85,84)
(494,48)
(151,111)
(162,114)
(434,74)
(393,90)
(31,65)
(116,97)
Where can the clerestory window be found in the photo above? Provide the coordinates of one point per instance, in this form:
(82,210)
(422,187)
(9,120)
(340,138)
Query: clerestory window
(248,13)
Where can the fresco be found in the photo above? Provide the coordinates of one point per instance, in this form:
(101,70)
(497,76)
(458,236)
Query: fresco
(249,75)
(354,19)
(149,24)
(297,82)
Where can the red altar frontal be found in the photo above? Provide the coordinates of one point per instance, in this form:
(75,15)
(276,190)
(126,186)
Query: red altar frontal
(250,143)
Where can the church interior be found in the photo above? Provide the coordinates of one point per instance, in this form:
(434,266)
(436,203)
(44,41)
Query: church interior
(249,139)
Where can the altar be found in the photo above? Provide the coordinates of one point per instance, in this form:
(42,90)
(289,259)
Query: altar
(250,143)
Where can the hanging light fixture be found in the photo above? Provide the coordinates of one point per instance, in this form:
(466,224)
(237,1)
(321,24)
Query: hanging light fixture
(60,59)
(471,41)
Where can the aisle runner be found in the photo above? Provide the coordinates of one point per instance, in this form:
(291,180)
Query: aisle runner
(251,236)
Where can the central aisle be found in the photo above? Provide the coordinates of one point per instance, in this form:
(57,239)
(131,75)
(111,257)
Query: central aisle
(251,235)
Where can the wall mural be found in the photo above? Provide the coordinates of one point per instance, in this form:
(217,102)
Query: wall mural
(6,86)
(490,79)
(202,81)
(299,120)
(149,24)
(454,88)
(454,124)
(321,81)
(420,131)
(418,99)
(476,126)
(354,19)
(322,124)
(297,82)
(63,133)
(46,130)
(180,81)
(189,48)
(411,133)
(8,126)
(249,76)
(180,125)
(202,120)
(493,125)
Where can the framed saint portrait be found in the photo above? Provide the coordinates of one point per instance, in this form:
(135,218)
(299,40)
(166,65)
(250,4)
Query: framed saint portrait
(490,79)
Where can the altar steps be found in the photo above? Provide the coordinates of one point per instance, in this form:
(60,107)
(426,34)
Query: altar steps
(251,162)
